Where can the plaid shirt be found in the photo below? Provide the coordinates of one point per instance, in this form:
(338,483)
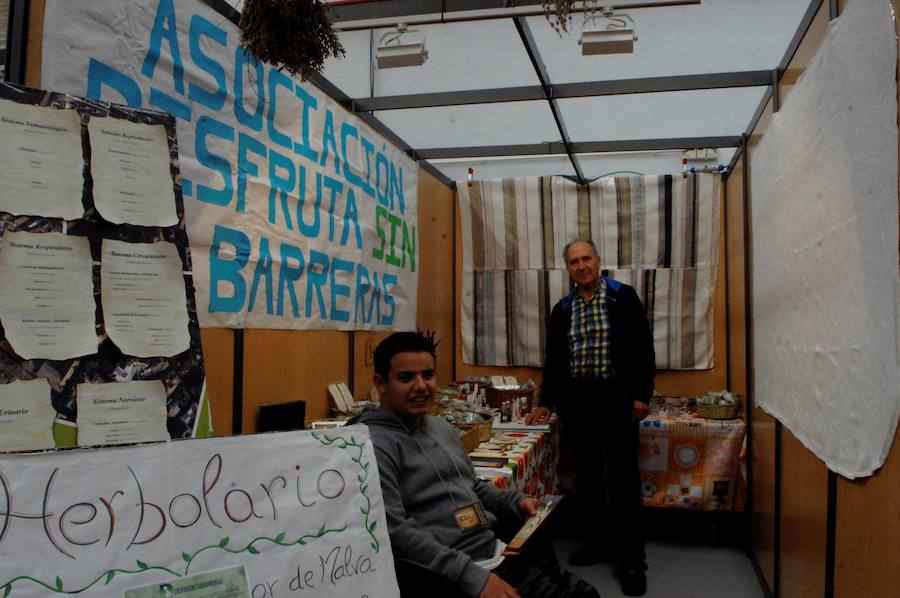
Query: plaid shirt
(589,342)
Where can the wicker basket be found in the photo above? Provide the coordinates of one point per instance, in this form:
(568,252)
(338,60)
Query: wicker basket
(470,439)
(718,411)
(484,429)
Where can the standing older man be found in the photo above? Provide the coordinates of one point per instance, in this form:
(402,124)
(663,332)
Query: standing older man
(598,375)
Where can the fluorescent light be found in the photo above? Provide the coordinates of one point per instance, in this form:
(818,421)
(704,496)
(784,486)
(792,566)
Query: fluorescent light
(596,41)
(607,34)
(401,47)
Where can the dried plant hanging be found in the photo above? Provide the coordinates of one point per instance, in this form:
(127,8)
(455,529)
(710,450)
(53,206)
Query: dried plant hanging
(559,14)
(292,35)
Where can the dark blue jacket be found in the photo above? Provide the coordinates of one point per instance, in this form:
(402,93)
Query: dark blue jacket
(633,359)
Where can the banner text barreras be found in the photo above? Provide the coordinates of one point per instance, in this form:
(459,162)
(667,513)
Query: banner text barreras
(299,214)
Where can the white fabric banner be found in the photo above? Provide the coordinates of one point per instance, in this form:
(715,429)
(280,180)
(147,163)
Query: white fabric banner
(825,237)
(299,215)
(301,511)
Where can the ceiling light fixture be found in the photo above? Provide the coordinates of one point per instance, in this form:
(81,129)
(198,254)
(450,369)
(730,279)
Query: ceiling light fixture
(401,47)
(607,33)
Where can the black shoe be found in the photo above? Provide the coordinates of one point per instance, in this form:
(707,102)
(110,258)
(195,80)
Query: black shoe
(589,556)
(634,582)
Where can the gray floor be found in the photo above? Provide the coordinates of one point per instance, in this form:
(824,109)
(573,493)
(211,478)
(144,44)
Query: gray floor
(676,571)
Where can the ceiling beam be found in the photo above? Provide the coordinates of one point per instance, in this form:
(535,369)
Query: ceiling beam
(363,14)
(567,90)
(541,71)
(579,147)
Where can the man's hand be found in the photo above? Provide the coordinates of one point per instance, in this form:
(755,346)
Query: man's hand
(641,410)
(497,588)
(541,415)
(529,505)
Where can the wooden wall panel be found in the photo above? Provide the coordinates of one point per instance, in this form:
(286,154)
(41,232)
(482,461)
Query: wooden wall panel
(735,271)
(287,365)
(218,361)
(436,300)
(35,44)
(867,558)
(363,368)
(867,542)
(868,519)
(804,508)
(762,494)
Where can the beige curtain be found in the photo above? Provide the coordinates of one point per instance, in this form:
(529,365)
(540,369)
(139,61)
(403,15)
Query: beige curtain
(659,234)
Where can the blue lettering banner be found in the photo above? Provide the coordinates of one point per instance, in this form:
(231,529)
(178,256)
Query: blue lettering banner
(299,214)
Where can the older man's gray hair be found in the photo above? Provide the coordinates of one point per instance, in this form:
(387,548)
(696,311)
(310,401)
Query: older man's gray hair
(572,242)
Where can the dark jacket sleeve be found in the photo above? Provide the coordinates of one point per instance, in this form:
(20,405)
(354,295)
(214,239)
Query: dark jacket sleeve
(639,358)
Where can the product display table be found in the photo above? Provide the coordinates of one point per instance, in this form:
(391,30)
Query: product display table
(690,463)
(526,460)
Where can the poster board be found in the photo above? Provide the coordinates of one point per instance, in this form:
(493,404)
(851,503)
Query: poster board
(99,338)
(300,215)
(268,515)
(825,239)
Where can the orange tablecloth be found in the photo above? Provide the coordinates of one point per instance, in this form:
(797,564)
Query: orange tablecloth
(690,463)
(531,463)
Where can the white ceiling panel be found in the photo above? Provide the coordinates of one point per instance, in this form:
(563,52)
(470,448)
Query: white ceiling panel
(480,124)
(706,113)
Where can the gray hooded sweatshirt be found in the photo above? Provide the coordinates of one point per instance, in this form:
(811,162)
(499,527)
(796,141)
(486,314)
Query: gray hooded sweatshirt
(426,475)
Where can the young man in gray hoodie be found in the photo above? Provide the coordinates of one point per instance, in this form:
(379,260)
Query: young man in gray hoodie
(441,518)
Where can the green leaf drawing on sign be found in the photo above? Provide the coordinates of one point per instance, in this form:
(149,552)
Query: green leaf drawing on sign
(58,584)
(252,550)
(109,577)
(186,557)
(223,542)
(361,477)
(142,565)
(279,538)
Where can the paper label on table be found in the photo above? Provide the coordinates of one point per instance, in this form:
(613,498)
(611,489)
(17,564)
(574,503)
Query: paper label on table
(144,302)
(121,412)
(224,583)
(40,161)
(47,295)
(26,416)
(130,167)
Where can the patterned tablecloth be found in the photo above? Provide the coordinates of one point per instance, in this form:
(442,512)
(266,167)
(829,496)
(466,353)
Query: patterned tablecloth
(531,460)
(691,463)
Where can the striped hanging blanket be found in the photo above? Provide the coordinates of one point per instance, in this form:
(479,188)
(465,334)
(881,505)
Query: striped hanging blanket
(659,234)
